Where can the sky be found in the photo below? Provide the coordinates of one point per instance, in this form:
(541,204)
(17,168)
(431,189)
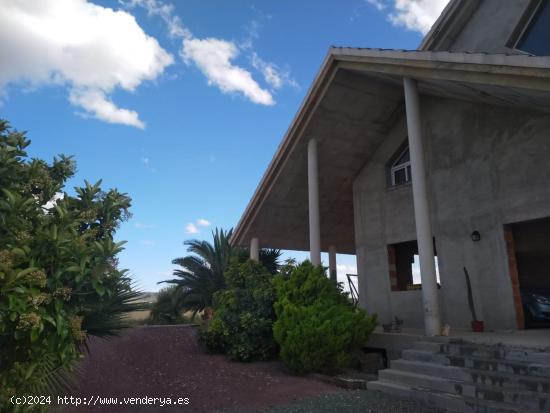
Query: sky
(182,103)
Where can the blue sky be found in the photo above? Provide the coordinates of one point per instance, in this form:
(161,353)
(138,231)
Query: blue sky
(183,107)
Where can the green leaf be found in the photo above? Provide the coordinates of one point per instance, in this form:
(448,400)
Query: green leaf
(49,319)
(35,333)
(24,272)
(18,251)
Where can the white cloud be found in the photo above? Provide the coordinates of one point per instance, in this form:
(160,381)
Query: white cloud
(165,12)
(96,103)
(379,4)
(90,49)
(417,15)
(191,228)
(147,162)
(253,32)
(274,76)
(214,58)
(195,227)
(201,222)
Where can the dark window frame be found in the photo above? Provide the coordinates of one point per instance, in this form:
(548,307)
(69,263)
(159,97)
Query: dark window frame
(525,24)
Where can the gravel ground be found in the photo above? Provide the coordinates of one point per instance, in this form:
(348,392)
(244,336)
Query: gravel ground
(352,401)
(168,362)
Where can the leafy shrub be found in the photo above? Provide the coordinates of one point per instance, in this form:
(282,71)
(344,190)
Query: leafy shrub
(59,279)
(202,272)
(168,307)
(241,326)
(317,328)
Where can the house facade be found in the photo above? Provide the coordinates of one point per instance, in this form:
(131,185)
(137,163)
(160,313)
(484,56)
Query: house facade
(431,166)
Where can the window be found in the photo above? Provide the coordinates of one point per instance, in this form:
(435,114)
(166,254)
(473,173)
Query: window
(400,169)
(536,37)
(404,266)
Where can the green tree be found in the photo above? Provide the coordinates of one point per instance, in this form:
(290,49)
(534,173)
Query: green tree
(202,272)
(59,276)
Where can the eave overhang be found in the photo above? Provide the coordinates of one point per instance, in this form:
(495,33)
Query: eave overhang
(353,102)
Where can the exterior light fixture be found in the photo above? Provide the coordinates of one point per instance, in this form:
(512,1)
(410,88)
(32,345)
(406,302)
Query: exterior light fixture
(476,236)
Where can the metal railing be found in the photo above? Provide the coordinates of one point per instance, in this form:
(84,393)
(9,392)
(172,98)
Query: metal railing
(353,290)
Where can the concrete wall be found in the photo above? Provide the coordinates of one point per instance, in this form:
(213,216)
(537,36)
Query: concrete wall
(491,26)
(487,166)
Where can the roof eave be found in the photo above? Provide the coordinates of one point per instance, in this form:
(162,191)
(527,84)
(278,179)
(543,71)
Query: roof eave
(521,71)
(307,107)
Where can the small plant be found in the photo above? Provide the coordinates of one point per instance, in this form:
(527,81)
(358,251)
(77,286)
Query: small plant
(241,326)
(317,327)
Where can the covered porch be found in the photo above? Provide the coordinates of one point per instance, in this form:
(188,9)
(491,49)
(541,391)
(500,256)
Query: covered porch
(305,200)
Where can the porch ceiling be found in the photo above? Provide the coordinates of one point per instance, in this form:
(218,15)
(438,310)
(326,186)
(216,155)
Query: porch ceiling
(355,99)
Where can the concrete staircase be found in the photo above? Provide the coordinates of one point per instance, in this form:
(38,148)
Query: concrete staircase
(467,377)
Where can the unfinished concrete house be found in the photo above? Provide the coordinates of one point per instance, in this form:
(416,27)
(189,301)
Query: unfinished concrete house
(437,159)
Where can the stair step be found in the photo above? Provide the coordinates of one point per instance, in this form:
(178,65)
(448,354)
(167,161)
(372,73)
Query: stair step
(494,351)
(432,346)
(521,397)
(483,377)
(500,365)
(446,401)
(426,356)
(479,363)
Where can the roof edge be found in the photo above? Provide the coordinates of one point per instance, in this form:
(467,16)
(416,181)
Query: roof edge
(448,25)
(424,63)
(307,107)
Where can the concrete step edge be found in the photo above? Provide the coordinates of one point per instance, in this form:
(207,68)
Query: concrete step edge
(464,373)
(508,353)
(447,401)
(538,370)
(534,369)
(481,387)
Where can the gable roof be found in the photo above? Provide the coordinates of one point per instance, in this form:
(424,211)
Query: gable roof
(350,107)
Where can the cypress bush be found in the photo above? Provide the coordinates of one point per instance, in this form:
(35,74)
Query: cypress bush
(317,327)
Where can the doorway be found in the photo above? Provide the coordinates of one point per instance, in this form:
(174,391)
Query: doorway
(528,245)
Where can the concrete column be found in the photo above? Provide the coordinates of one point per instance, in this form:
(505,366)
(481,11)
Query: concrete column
(332,263)
(430,298)
(255,249)
(313,193)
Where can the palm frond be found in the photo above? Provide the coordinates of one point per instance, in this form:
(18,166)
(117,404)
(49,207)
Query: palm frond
(108,316)
(202,272)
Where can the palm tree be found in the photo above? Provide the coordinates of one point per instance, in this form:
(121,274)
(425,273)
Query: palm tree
(202,273)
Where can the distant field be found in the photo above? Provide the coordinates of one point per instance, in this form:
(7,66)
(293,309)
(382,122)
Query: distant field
(143,315)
